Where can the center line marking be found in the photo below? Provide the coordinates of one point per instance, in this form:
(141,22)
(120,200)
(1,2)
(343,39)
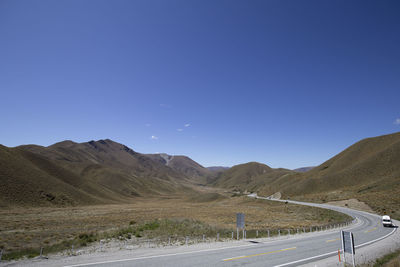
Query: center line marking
(332,240)
(259,254)
(370,230)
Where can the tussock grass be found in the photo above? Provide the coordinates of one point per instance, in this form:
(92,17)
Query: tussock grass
(24,231)
(389,260)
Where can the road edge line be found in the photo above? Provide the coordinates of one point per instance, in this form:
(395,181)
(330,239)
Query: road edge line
(334,252)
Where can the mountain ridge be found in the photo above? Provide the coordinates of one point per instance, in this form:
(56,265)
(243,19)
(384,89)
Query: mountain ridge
(93,172)
(104,171)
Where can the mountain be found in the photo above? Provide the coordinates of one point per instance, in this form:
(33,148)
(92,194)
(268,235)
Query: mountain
(248,177)
(304,169)
(24,182)
(184,165)
(69,173)
(103,171)
(369,171)
(366,166)
(218,168)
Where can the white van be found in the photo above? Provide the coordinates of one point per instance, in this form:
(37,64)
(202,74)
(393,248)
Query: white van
(386,221)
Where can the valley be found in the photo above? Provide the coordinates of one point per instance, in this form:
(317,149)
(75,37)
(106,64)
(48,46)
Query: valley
(28,229)
(52,196)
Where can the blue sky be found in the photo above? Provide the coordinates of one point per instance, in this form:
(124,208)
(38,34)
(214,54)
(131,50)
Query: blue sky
(285,83)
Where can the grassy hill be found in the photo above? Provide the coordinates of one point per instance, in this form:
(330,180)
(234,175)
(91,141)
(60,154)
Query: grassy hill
(369,171)
(25,182)
(248,177)
(95,172)
(217,168)
(303,169)
(69,173)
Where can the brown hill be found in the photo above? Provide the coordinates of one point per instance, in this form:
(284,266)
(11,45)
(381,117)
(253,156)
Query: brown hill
(303,169)
(369,170)
(369,165)
(24,182)
(218,168)
(82,173)
(248,177)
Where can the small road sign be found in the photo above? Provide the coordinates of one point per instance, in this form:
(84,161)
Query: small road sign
(240,220)
(240,224)
(348,244)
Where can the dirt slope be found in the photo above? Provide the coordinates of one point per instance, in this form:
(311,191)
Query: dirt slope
(185,165)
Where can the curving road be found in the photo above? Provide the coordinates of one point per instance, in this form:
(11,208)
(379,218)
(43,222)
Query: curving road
(289,251)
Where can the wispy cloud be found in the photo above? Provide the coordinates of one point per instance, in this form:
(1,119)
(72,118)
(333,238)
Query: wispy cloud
(147,125)
(187,124)
(397,121)
(153,137)
(179,130)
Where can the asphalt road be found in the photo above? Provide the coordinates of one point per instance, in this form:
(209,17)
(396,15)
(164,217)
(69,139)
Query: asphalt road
(293,251)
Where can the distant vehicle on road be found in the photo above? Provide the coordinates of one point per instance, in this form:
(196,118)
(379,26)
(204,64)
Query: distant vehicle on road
(386,221)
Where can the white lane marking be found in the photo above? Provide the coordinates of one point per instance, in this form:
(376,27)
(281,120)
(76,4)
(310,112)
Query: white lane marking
(198,251)
(334,252)
(157,256)
(293,262)
(228,259)
(376,240)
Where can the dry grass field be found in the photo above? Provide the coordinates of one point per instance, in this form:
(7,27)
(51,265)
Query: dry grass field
(24,228)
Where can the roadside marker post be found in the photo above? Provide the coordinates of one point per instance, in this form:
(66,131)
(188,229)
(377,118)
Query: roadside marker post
(41,254)
(344,255)
(353,250)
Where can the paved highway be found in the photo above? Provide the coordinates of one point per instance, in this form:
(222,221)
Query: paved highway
(293,251)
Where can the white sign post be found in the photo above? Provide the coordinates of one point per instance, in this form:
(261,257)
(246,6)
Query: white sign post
(348,245)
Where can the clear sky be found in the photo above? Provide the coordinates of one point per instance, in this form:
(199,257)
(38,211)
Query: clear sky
(285,83)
